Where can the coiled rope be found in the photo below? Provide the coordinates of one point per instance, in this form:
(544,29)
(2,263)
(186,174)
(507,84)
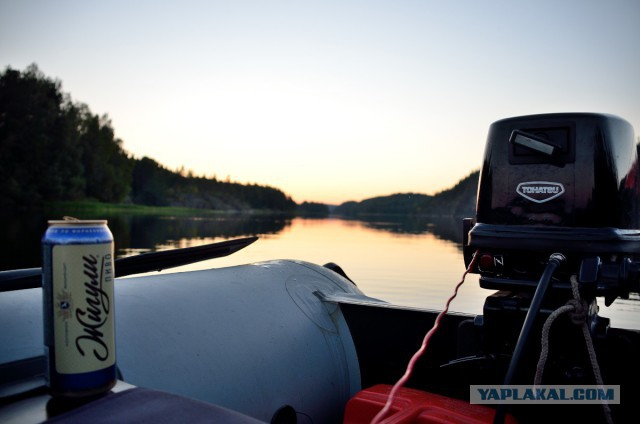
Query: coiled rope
(578,309)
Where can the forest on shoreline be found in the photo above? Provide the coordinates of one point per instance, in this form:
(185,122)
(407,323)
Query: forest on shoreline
(54,149)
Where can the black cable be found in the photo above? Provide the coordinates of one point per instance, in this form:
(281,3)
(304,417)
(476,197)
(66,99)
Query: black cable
(555,260)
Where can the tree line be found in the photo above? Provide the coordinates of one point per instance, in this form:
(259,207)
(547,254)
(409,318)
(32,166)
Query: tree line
(55,149)
(458,201)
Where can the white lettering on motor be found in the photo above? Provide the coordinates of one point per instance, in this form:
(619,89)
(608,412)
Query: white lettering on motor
(540,191)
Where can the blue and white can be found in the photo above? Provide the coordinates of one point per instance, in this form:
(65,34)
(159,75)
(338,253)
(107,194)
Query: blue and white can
(78,304)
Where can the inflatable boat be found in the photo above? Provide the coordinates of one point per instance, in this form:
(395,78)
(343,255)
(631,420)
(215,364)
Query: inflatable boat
(287,341)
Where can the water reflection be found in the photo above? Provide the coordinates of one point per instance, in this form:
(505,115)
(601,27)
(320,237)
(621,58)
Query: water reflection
(20,238)
(21,233)
(445,227)
(414,262)
(144,233)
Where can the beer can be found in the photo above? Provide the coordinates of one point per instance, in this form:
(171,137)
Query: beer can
(78,304)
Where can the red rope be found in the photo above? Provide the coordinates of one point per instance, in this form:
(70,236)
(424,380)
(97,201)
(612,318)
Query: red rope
(396,387)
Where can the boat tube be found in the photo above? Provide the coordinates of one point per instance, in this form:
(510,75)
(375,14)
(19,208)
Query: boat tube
(256,338)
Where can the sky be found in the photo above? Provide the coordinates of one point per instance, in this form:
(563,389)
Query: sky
(328,101)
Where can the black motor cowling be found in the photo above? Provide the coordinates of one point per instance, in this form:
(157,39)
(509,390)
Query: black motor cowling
(562,182)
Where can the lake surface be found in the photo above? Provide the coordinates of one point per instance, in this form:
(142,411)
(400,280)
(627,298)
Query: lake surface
(414,263)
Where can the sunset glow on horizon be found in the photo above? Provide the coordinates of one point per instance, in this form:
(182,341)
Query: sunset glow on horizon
(328,101)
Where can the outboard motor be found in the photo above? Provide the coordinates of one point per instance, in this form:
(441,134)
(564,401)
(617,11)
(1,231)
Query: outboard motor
(557,226)
(562,182)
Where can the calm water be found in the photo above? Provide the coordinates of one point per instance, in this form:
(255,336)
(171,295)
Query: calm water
(410,263)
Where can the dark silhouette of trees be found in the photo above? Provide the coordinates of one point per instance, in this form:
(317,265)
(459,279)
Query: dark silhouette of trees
(151,183)
(155,185)
(107,168)
(313,210)
(458,201)
(53,149)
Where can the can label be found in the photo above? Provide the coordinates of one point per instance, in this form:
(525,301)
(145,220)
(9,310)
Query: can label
(83,315)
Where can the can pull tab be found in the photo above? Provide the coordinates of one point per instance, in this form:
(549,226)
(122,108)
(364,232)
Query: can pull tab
(533,142)
(69,218)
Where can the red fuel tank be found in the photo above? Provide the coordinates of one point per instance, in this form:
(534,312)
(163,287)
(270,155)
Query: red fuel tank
(416,407)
